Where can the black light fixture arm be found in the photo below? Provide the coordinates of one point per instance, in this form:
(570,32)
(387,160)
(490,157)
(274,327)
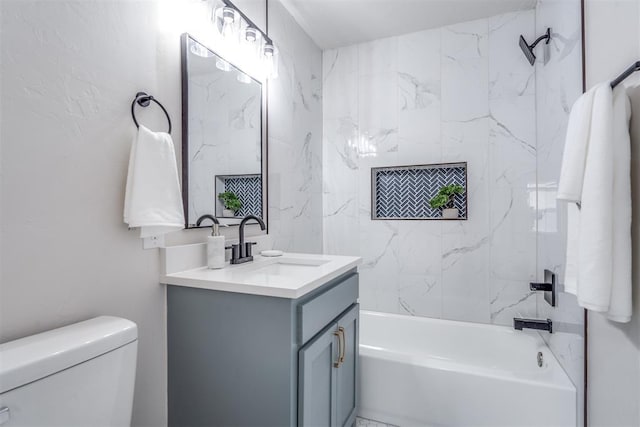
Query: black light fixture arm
(546,36)
(251,24)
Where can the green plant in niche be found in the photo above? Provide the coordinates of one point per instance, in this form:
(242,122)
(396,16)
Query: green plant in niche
(444,198)
(230,201)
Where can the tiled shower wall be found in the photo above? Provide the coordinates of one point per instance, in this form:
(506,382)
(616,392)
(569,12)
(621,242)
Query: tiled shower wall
(459,93)
(295,138)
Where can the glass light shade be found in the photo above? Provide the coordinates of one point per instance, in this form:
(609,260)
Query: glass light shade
(251,35)
(227,22)
(251,46)
(270,59)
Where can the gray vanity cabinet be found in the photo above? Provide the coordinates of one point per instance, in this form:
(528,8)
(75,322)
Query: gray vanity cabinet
(327,367)
(317,387)
(250,360)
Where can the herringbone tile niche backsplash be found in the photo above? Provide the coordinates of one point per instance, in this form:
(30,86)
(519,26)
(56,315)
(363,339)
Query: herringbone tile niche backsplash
(403,192)
(248,188)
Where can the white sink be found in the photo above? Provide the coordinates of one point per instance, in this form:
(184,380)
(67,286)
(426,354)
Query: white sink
(282,266)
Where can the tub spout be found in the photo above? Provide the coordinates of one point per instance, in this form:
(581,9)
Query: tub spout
(542,325)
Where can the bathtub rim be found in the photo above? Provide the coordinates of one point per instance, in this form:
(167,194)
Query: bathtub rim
(554,375)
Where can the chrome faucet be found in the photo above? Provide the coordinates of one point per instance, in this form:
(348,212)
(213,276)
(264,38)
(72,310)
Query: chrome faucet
(241,252)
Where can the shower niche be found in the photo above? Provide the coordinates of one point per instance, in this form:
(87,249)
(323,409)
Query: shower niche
(404,192)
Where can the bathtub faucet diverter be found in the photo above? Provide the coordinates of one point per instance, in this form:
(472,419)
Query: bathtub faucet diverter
(542,325)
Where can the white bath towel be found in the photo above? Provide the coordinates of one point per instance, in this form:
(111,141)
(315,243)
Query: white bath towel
(598,264)
(620,305)
(595,262)
(153,199)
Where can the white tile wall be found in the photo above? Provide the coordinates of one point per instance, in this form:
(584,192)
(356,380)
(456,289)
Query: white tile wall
(458,93)
(295,142)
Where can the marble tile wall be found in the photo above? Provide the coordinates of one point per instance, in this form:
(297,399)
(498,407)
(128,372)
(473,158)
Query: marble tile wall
(558,85)
(459,93)
(295,138)
(224,132)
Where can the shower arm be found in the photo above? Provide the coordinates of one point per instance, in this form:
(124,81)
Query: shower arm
(546,36)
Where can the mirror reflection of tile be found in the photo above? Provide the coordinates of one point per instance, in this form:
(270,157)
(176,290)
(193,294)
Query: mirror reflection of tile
(404,192)
(248,188)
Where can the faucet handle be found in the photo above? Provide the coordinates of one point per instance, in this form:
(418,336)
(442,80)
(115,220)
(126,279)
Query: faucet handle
(235,251)
(247,248)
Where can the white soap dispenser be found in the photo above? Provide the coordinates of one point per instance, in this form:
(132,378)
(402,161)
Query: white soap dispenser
(215,248)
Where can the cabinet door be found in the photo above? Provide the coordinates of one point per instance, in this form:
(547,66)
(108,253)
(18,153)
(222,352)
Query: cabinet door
(347,389)
(317,378)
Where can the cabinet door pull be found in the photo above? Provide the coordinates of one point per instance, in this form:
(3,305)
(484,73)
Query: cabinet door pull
(343,345)
(338,334)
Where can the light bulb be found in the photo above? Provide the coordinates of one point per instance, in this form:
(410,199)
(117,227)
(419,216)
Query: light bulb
(269,50)
(228,15)
(251,34)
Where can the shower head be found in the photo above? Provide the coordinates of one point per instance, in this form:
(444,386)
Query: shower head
(527,48)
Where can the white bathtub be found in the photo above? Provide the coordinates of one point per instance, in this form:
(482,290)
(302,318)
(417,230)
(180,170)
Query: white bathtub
(430,372)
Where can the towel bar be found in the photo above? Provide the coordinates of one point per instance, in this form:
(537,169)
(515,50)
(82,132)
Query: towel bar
(626,73)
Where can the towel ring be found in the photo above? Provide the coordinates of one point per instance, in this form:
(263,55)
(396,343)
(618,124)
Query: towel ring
(143,100)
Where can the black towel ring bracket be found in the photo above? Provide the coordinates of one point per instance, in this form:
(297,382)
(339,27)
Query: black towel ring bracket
(144,100)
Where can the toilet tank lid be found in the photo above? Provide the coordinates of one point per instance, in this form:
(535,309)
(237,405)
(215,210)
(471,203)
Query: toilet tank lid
(28,359)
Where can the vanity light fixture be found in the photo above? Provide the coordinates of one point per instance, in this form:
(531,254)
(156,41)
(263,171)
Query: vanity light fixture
(229,20)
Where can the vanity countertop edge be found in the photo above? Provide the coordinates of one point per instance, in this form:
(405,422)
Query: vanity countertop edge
(242,278)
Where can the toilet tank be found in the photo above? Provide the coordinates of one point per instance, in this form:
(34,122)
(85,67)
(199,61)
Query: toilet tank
(79,375)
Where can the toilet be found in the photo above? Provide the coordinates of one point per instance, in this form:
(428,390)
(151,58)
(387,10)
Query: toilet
(78,375)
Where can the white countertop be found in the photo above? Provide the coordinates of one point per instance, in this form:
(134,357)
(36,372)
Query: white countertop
(290,276)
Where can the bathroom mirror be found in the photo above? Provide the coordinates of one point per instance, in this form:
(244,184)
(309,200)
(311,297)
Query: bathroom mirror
(223,138)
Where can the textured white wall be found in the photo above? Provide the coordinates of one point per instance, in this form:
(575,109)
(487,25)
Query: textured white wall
(612,44)
(69,70)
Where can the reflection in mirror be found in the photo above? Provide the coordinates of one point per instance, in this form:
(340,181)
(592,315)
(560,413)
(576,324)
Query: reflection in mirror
(223,137)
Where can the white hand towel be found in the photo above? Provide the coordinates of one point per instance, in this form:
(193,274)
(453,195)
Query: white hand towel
(153,199)
(620,306)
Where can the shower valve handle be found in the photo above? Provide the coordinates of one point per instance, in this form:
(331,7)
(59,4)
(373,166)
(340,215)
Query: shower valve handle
(549,287)
(540,286)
